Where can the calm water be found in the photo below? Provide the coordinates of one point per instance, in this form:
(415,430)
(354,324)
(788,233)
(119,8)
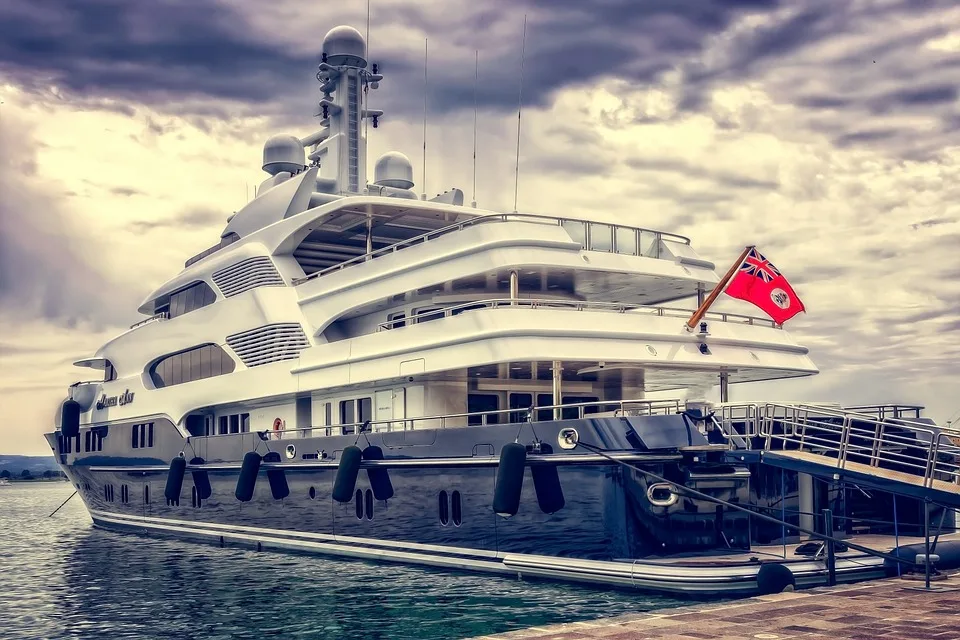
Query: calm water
(61,578)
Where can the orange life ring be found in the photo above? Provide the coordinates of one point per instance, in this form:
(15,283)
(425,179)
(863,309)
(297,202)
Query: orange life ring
(277,424)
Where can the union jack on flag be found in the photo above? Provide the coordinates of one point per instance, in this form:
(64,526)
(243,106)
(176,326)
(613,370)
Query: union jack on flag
(761,283)
(756,265)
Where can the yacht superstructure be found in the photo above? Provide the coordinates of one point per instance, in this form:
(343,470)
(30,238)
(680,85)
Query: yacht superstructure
(339,314)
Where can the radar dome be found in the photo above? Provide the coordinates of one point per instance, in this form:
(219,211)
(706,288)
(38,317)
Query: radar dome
(345,46)
(283,153)
(393,169)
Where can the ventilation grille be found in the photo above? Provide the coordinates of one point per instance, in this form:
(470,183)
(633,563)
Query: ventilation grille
(247,274)
(270,343)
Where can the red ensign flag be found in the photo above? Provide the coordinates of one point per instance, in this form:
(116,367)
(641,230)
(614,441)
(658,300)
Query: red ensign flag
(760,282)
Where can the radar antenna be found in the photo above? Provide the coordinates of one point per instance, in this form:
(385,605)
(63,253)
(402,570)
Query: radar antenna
(423,193)
(476,81)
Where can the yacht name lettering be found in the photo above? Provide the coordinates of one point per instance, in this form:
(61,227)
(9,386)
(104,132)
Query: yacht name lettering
(112,401)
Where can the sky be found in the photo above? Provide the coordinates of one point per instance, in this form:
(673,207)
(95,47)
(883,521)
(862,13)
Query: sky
(827,133)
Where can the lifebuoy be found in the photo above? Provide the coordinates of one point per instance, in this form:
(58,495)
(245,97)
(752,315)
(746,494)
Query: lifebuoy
(278,427)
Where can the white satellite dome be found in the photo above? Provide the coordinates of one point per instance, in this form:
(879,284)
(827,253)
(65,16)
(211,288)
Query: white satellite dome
(283,153)
(393,169)
(345,46)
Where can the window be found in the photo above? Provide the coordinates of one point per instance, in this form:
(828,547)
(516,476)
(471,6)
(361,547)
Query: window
(142,435)
(396,320)
(109,373)
(477,402)
(87,437)
(244,423)
(358,504)
(313,493)
(347,412)
(601,238)
(235,423)
(368,503)
(198,363)
(190,299)
(626,240)
(649,244)
(573,413)
(124,494)
(108,492)
(443,508)
(577,232)
(365,406)
(520,401)
(428,314)
(456,508)
(146,494)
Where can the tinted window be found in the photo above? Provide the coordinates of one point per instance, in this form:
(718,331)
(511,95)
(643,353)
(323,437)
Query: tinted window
(202,362)
(366,409)
(443,507)
(520,401)
(545,400)
(193,297)
(477,402)
(456,508)
(346,412)
(358,504)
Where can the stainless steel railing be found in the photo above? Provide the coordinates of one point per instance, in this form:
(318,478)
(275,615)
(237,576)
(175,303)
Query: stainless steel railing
(163,315)
(569,411)
(847,436)
(593,236)
(574,305)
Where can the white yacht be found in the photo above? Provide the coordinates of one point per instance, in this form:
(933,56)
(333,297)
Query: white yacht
(354,370)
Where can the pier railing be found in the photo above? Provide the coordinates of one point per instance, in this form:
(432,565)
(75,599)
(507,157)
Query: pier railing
(592,236)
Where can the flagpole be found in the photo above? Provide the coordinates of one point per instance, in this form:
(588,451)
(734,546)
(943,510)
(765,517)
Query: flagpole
(702,309)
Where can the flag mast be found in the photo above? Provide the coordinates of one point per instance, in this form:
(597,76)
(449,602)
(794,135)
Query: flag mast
(702,309)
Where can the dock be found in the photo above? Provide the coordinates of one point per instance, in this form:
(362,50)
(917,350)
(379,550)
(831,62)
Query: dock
(889,609)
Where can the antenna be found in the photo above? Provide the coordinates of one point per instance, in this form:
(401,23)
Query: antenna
(476,81)
(423,187)
(366,102)
(516,175)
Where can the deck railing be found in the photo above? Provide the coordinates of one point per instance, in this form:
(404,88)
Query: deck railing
(593,236)
(569,411)
(163,315)
(571,305)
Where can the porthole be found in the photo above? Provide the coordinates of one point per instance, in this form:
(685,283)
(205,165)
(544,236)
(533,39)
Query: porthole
(313,493)
(368,504)
(456,509)
(358,504)
(291,451)
(651,350)
(443,508)
(146,494)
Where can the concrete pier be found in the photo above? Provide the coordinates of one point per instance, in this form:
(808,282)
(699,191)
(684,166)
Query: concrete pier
(891,609)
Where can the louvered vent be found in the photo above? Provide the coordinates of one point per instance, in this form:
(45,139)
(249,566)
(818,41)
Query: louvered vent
(247,274)
(270,343)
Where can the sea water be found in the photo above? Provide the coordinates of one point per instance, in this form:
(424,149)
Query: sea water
(62,578)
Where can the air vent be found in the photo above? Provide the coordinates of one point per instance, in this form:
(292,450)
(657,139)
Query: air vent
(270,343)
(247,274)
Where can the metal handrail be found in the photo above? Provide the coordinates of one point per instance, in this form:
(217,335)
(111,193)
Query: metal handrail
(859,435)
(530,414)
(460,226)
(163,315)
(577,305)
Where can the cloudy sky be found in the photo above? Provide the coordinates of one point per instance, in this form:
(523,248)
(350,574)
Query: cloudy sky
(826,132)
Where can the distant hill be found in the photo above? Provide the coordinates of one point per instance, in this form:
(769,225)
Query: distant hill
(36,464)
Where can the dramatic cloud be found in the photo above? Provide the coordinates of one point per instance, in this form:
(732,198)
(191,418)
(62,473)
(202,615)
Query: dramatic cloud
(826,132)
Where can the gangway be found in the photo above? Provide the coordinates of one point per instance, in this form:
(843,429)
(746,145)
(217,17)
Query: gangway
(868,446)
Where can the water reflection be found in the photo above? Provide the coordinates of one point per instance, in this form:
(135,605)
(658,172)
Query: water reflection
(62,578)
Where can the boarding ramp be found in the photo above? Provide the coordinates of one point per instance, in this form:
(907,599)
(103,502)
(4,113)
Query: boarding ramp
(880,447)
